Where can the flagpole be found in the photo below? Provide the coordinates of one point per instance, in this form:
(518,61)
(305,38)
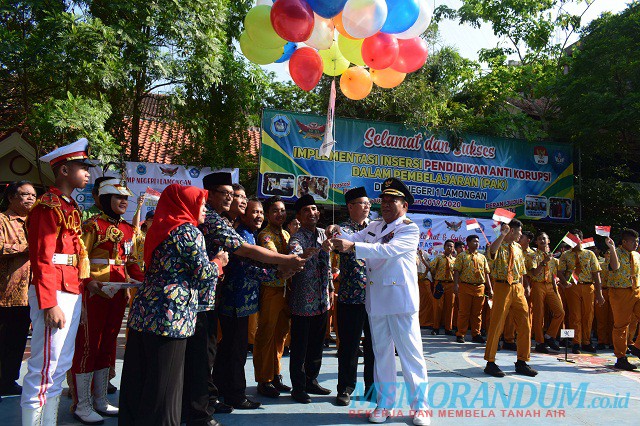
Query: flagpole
(485,236)
(560,242)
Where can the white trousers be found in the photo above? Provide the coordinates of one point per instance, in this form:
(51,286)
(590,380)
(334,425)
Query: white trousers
(401,332)
(51,350)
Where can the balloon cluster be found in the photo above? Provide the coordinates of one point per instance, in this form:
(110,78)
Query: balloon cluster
(381,38)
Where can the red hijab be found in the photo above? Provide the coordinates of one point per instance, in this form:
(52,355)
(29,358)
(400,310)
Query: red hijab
(177,205)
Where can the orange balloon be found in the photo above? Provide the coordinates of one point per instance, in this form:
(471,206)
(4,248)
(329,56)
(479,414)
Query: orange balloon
(337,21)
(387,78)
(356,83)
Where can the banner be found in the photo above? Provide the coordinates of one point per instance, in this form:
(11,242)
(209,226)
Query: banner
(534,180)
(141,176)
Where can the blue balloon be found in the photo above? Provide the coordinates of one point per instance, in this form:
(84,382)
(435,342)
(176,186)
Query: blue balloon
(401,16)
(327,8)
(289,48)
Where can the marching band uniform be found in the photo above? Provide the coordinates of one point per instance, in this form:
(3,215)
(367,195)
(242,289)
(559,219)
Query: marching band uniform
(58,264)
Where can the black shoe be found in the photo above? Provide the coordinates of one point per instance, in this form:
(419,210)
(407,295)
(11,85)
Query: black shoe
(209,422)
(589,348)
(343,399)
(460,339)
(300,396)
(435,331)
(449,333)
(634,351)
(493,370)
(524,369)
(250,347)
(220,407)
(601,346)
(111,389)
(11,389)
(315,389)
(542,348)
(563,343)
(277,383)
(551,342)
(509,346)
(478,339)
(624,364)
(286,351)
(576,349)
(247,405)
(268,390)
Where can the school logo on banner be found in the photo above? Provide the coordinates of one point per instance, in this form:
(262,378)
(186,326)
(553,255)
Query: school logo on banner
(141,169)
(280,126)
(194,172)
(540,155)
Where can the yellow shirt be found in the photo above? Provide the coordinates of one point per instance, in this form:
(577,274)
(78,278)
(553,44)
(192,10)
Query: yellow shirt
(472,267)
(500,268)
(547,274)
(277,240)
(622,277)
(442,268)
(588,264)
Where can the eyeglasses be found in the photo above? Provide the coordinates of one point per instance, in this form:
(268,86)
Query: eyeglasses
(240,197)
(362,203)
(27,195)
(225,193)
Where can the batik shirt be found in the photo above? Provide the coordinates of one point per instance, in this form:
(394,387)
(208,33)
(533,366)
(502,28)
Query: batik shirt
(309,293)
(218,235)
(15,267)
(167,301)
(546,274)
(584,261)
(442,268)
(500,268)
(626,275)
(353,272)
(472,267)
(239,292)
(274,239)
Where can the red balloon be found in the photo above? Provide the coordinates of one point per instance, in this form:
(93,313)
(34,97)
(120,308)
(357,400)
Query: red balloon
(412,55)
(292,19)
(379,51)
(305,67)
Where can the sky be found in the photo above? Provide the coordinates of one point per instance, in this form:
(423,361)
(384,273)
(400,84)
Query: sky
(469,40)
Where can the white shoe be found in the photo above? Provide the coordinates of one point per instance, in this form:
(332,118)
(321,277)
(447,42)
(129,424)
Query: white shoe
(50,411)
(84,409)
(379,415)
(32,416)
(421,417)
(100,387)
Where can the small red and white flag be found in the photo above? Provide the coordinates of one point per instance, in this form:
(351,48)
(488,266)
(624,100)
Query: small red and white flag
(588,242)
(429,234)
(472,224)
(151,194)
(503,215)
(571,240)
(605,231)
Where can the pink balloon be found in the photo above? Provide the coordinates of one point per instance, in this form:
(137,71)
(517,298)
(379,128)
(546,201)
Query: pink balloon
(305,67)
(379,51)
(292,19)
(411,56)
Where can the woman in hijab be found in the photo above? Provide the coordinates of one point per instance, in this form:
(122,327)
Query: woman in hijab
(163,313)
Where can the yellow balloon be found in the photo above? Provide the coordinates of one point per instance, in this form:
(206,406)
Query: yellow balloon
(356,83)
(351,49)
(333,61)
(387,78)
(258,55)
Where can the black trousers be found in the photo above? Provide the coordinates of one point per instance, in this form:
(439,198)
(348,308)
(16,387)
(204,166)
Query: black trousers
(14,329)
(307,339)
(212,350)
(197,373)
(352,320)
(231,359)
(151,384)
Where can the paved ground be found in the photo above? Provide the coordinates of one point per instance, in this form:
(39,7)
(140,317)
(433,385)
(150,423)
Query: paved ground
(459,391)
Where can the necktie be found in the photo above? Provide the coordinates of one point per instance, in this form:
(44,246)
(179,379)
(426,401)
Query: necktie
(546,273)
(632,267)
(510,264)
(578,269)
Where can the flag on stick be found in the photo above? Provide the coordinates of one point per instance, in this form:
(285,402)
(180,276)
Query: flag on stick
(588,242)
(503,215)
(329,142)
(472,224)
(151,194)
(571,240)
(604,231)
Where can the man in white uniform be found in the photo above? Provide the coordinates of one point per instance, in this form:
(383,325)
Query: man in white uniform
(389,247)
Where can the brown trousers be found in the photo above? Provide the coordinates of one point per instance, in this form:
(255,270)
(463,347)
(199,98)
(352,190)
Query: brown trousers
(509,298)
(604,320)
(273,328)
(544,295)
(580,298)
(253,327)
(425,314)
(625,305)
(470,302)
(443,308)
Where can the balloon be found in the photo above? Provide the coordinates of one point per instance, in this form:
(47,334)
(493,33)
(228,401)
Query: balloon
(305,67)
(264,2)
(364,18)
(356,83)
(322,34)
(380,51)
(258,26)
(351,49)
(421,24)
(289,48)
(337,21)
(258,55)
(292,19)
(402,15)
(327,8)
(387,78)
(334,62)
(412,54)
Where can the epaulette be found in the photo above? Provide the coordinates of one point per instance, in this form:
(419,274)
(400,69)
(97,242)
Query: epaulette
(407,221)
(50,200)
(377,220)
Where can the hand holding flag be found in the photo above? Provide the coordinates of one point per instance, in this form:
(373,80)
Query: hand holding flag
(151,194)
(571,240)
(604,231)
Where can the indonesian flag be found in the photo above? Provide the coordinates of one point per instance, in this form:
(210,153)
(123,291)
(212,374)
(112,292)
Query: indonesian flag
(472,224)
(605,231)
(329,142)
(588,242)
(503,215)
(571,240)
(151,194)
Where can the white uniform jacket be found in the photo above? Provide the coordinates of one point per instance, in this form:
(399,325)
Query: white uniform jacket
(391,265)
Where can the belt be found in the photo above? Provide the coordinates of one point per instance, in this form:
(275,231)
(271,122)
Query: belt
(443,281)
(580,282)
(100,261)
(65,259)
(463,282)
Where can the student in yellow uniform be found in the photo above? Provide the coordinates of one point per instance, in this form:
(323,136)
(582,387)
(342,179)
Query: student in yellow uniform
(442,273)
(604,316)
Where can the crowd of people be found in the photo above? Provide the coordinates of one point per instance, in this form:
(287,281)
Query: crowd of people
(206,277)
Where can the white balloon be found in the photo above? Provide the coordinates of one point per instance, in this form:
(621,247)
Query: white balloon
(322,34)
(422,23)
(364,18)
